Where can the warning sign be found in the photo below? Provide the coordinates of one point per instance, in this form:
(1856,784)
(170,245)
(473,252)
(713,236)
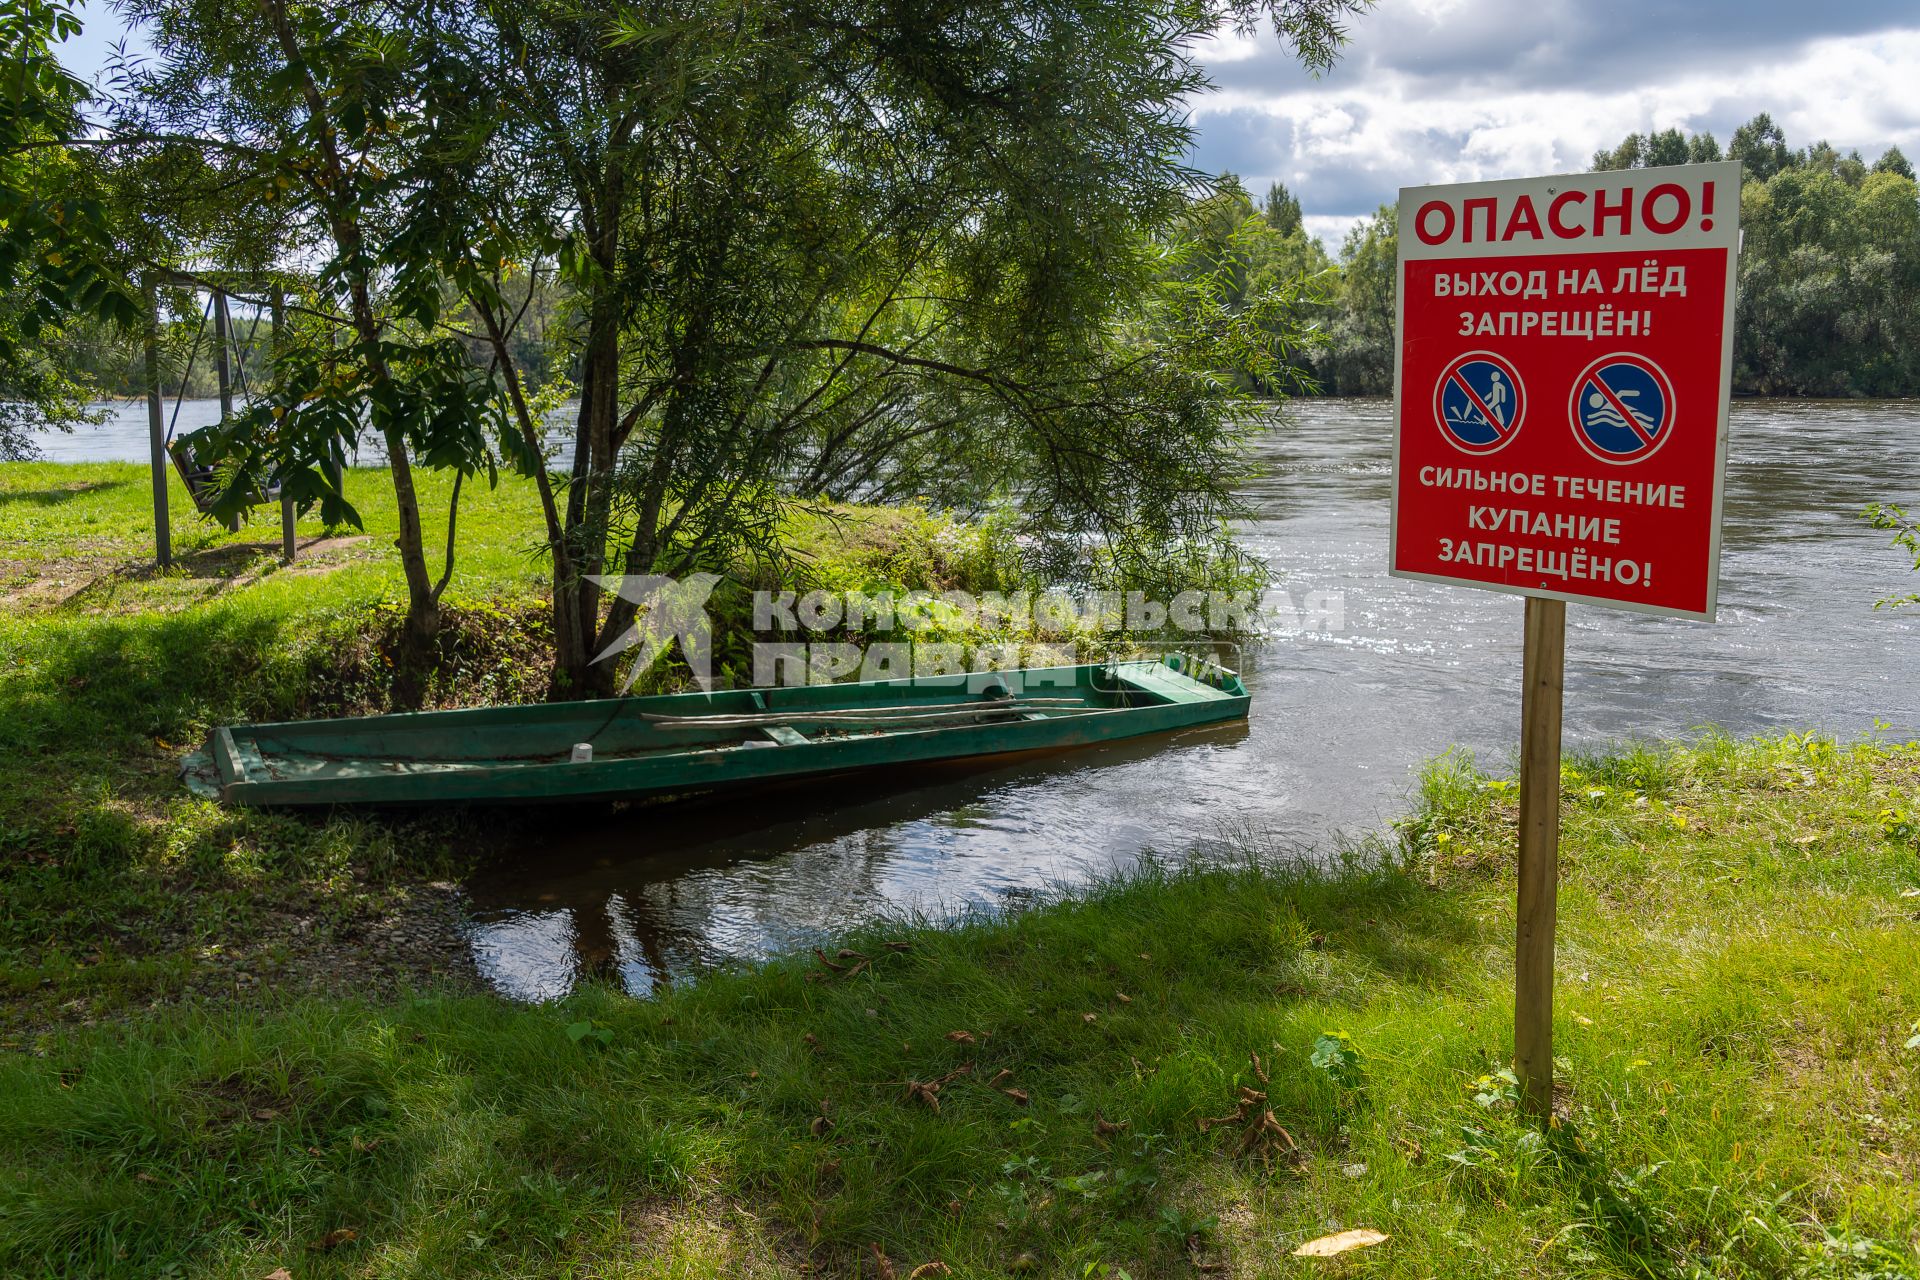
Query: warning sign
(1610,294)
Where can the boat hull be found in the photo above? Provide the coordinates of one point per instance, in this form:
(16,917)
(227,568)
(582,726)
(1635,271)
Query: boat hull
(639,747)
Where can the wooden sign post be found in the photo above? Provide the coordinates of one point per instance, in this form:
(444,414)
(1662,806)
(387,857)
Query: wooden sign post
(1542,670)
(1562,377)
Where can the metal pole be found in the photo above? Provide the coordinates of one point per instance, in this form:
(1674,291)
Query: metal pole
(157,436)
(223,373)
(1542,688)
(288,548)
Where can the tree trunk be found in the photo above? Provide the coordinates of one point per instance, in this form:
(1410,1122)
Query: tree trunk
(579,598)
(576,601)
(337,200)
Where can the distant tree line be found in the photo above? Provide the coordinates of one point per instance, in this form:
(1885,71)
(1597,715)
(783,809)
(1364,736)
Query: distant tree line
(1829,295)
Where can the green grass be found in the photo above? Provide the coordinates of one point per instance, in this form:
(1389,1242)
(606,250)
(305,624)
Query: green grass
(1738,979)
(118,890)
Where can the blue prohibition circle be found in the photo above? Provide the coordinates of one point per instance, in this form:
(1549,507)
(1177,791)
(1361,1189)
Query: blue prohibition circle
(1622,408)
(1479,403)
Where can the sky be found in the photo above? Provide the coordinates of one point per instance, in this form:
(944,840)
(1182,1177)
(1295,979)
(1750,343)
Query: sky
(1431,91)
(1460,90)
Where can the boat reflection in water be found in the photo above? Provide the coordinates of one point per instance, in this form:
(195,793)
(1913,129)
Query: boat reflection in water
(668,889)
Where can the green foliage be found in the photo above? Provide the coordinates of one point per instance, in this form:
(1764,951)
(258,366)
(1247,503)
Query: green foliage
(1335,1054)
(804,250)
(1244,289)
(590,1034)
(1282,211)
(1760,148)
(57,260)
(1830,268)
(1359,355)
(1906,536)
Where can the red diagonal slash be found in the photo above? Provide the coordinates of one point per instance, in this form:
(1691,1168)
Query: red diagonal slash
(1478,403)
(1625,413)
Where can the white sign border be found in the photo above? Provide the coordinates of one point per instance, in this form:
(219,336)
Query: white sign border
(1404,213)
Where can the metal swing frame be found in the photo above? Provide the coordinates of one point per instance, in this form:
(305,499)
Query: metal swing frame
(166,453)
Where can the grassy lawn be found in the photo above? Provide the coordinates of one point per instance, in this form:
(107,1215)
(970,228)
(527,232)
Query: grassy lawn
(118,891)
(1738,981)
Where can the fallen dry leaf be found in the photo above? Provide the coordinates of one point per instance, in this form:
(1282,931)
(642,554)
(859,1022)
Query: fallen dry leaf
(929,1269)
(819,1126)
(1089,1017)
(1123,997)
(144,1176)
(882,1265)
(899,946)
(1018,1095)
(334,1239)
(960,1037)
(279,1273)
(1107,1128)
(1000,1076)
(1340,1242)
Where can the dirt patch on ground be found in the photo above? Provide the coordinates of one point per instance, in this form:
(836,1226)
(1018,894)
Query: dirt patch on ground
(92,582)
(710,1234)
(415,941)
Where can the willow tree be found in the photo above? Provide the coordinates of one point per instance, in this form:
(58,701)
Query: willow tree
(855,249)
(815,247)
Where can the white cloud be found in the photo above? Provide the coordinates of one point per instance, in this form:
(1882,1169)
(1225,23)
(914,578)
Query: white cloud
(1423,106)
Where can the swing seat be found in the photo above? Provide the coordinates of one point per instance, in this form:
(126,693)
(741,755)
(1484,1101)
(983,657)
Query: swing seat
(203,485)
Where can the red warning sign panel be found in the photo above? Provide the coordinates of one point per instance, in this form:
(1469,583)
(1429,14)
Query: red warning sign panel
(1562,382)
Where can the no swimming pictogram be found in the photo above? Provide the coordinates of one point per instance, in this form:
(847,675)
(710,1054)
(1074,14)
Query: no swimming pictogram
(1479,403)
(1622,409)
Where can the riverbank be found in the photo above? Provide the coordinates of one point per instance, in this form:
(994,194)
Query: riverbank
(123,893)
(1192,1071)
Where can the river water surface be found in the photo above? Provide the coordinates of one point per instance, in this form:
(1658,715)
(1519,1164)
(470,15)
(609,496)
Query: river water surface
(1342,717)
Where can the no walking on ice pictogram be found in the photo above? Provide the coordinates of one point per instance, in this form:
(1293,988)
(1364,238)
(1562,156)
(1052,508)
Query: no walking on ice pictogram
(1622,408)
(1479,403)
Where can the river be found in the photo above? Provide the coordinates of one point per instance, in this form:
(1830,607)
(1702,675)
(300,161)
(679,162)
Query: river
(1342,716)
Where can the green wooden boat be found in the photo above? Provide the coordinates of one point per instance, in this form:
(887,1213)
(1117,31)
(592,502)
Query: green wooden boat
(622,748)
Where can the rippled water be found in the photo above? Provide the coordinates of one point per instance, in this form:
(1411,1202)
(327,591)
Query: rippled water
(1341,719)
